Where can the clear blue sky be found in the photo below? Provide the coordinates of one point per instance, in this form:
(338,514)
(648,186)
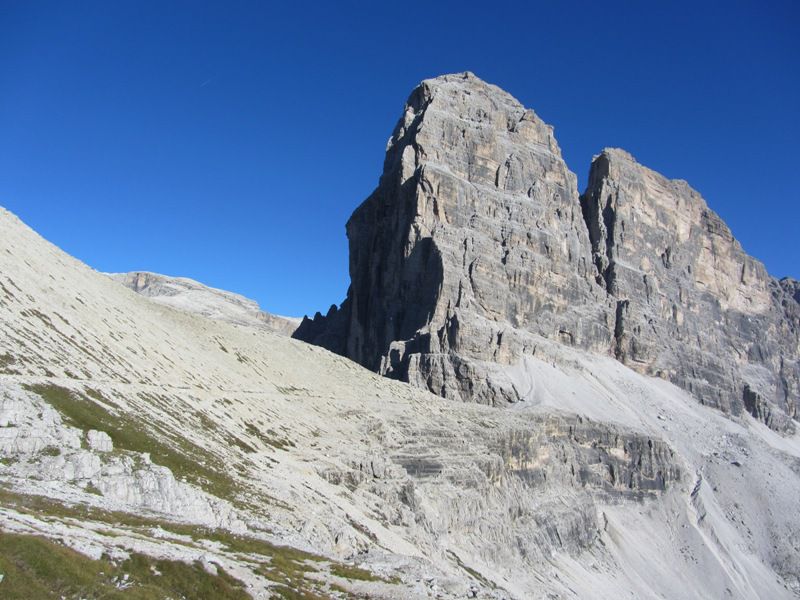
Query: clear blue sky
(230,141)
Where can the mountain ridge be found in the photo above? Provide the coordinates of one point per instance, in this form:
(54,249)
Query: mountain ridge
(476,243)
(193,296)
(130,428)
(116,412)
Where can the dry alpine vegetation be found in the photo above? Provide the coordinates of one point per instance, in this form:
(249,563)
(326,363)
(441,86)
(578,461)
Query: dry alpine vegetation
(176,443)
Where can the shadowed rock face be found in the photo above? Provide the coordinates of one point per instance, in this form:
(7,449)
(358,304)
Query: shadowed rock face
(691,305)
(476,245)
(474,229)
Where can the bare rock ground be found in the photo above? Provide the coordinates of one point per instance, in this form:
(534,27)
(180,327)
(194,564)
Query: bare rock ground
(189,295)
(601,482)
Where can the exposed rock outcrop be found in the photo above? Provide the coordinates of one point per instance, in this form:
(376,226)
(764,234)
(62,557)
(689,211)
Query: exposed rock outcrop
(474,231)
(127,427)
(691,305)
(476,245)
(43,451)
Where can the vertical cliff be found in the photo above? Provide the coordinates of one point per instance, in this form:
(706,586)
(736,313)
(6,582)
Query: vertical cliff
(475,230)
(476,246)
(691,305)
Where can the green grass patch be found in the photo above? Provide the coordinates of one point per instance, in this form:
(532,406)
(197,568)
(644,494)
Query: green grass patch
(288,593)
(92,489)
(472,572)
(6,360)
(241,444)
(355,573)
(35,567)
(269,437)
(99,397)
(127,432)
(42,506)
(335,587)
(285,566)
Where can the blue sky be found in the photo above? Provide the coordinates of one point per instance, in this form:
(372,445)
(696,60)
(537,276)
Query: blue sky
(229,142)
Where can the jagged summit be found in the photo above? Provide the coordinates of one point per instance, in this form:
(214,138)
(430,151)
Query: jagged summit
(478,273)
(612,162)
(470,100)
(468,81)
(692,306)
(476,246)
(792,287)
(474,233)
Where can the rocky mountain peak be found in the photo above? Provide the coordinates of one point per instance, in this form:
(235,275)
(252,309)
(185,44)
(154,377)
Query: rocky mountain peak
(474,115)
(692,306)
(474,230)
(475,249)
(198,441)
(792,287)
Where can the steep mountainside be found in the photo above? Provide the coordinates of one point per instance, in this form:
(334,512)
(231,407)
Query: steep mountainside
(691,305)
(476,246)
(182,443)
(129,430)
(128,427)
(187,294)
(474,233)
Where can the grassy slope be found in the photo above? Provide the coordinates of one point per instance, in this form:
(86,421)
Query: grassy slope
(34,567)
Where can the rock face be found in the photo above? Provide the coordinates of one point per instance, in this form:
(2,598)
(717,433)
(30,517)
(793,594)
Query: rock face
(187,294)
(691,305)
(120,420)
(474,233)
(476,245)
(41,447)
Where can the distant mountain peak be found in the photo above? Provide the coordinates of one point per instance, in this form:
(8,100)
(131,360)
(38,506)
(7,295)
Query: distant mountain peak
(192,296)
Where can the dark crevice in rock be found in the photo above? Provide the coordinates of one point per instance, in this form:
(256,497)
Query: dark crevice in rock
(609,220)
(619,329)
(755,405)
(600,223)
